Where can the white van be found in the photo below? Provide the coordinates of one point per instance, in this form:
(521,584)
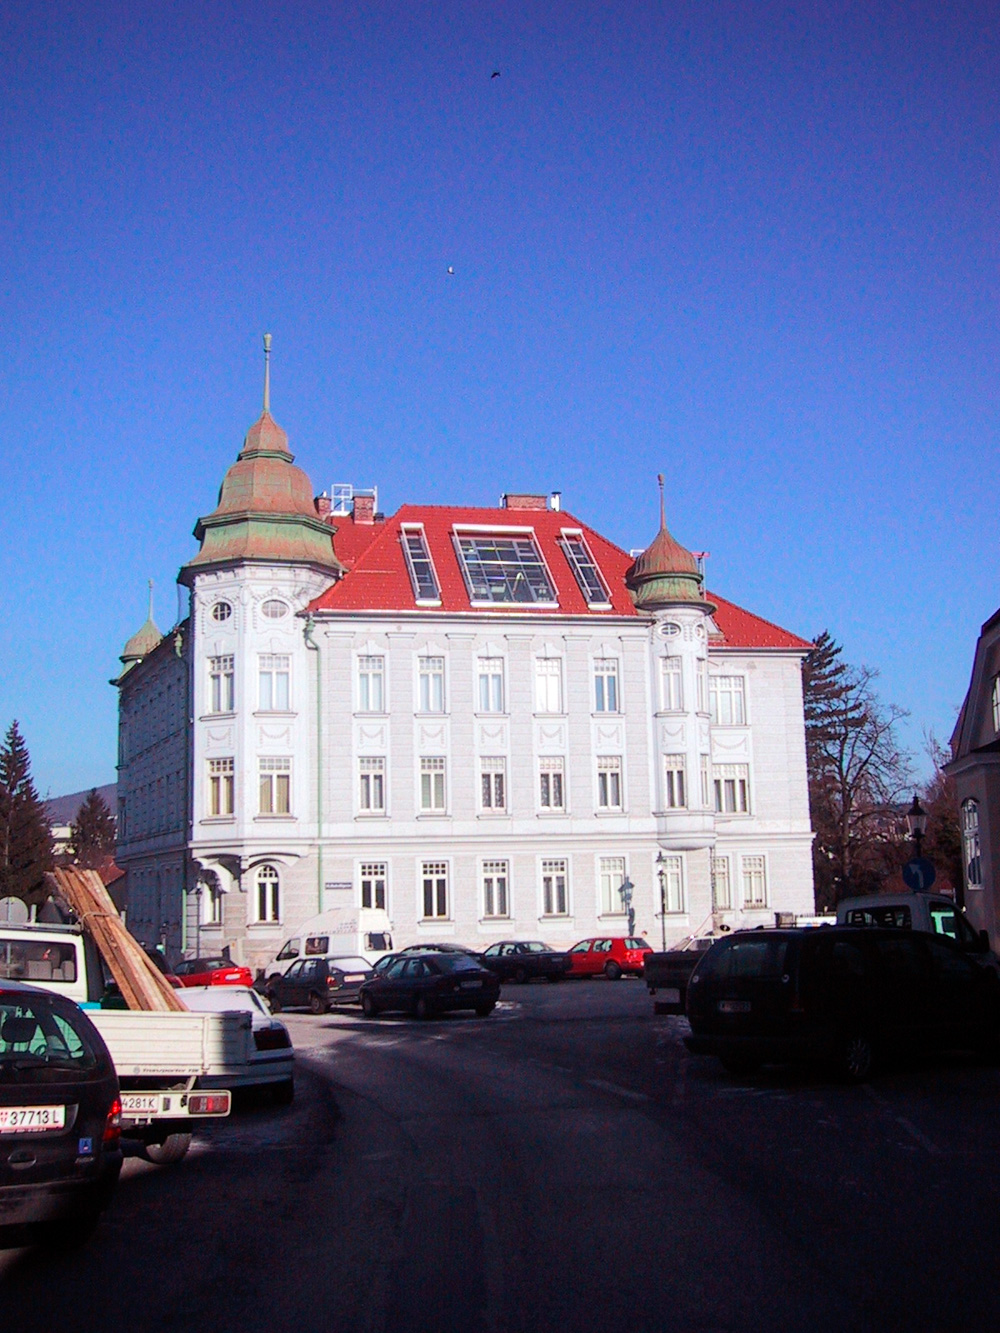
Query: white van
(57,958)
(919,911)
(338,932)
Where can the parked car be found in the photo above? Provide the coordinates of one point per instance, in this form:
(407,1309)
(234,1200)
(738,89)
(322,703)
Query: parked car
(523,960)
(669,973)
(271,1064)
(425,984)
(441,948)
(317,984)
(212,972)
(60,1118)
(845,995)
(614,955)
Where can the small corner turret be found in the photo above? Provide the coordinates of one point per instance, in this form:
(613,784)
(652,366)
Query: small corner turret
(666,574)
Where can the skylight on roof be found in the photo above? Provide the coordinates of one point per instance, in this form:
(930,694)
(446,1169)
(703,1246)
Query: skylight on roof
(584,567)
(420,566)
(504,569)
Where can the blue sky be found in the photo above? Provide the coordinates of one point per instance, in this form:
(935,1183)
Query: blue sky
(752,246)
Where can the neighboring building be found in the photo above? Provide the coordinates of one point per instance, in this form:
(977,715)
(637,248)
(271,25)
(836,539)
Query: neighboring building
(63,810)
(975,766)
(484,720)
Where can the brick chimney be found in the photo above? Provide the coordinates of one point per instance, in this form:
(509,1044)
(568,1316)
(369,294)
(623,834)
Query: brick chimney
(364,509)
(322,503)
(525,501)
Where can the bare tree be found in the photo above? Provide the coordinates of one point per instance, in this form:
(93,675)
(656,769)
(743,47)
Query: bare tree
(859,774)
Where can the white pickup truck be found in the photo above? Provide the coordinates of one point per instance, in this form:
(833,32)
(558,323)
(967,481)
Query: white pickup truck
(174,1068)
(919,911)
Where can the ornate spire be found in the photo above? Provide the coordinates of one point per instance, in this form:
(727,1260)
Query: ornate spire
(267,373)
(144,640)
(666,573)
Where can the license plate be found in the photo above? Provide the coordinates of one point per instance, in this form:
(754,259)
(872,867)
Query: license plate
(671,995)
(355,976)
(734,1006)
(139,1103)
(28,1119)
(471,985)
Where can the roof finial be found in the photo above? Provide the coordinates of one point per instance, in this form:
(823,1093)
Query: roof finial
(150,615)
(267,372)
(663,516)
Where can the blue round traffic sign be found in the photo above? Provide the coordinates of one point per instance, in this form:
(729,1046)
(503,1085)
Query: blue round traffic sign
(919,874)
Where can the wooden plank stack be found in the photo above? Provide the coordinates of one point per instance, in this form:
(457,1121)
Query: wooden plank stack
(141,983)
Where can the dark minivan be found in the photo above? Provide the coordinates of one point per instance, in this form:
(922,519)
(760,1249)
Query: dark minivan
(60,1118)
(839,994)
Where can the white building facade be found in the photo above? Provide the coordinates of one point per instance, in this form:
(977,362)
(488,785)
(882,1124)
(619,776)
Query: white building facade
(489,722)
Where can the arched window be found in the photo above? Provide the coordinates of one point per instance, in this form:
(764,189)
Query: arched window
(971,856)
(267,897)
(996,703)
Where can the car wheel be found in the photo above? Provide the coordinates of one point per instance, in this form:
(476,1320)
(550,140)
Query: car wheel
(739,1064)
(317,1005)
(423,1008)
(857,1058)
(520,975)
(171,1150)
(283,1093)
(273,1001)
(368,1006)
(484,1010)
(611,970)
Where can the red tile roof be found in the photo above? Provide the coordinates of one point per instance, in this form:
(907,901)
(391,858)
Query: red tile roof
(378,580)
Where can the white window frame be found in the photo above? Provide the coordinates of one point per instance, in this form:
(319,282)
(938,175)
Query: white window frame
(739,776)
(371,784)
(279,681)
(598,599)
(493,784)
(704,688)
(675,784)
(435,881)
(728,700)
(222,684)
(552,783)
(705,774)
(274,796)
(549,686)
(265,901)
(722,884)
(431,695)
(554,889)
(610,783)
(211,904)
(612,871)
(607,685)
(995,702)
(490,685)
(494,883)
(752,866)
(972,857)
(221,803)
(671,684)
(417,530)
(465,532)
(370,875)
(674,902)
(433,791)
(371,678)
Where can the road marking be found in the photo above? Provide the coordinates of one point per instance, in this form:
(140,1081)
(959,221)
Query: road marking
(604,1086)
(920,1138)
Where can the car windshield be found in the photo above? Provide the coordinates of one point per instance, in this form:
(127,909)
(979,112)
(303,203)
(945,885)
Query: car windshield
(455,962)
(349,964)
(751,956)
(37,1035)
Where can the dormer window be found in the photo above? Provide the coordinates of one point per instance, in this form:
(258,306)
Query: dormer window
(420,566)
(504,569)
(584,567)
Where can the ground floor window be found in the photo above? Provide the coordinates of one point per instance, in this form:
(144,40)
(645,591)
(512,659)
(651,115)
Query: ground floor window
(373,881)
(211,903)
(555,896)
(434,877)
(612,875)
(671,870)
(495,879)
(754,881)
(970,845)
(722,893)
(267,895)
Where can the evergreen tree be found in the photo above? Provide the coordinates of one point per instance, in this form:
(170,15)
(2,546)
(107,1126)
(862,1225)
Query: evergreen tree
(857,771)
(25,832)
(92,833)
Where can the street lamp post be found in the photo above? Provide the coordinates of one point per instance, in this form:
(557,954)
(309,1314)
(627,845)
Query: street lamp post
(626,893)
(916,823)
(661,871)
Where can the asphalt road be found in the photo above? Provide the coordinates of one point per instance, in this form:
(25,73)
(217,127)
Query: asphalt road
(562,1164)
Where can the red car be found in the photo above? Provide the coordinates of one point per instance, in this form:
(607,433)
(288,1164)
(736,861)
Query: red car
(614,955)
(212,972)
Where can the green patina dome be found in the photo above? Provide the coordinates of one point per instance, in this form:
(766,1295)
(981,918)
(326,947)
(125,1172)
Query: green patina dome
(666,573)
(142,642)
(266,510)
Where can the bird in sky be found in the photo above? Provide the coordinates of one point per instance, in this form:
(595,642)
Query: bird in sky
(495,74)
(451,270)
